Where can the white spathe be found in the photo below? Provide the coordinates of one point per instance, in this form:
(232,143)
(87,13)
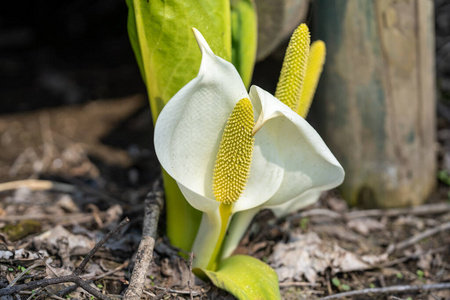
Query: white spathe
(289,157)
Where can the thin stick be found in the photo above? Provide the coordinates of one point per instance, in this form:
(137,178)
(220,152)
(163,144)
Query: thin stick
(105,238)
(36,264)
(153,206)
(37,185)
(64,219)
(295,283)
(391,289)
(418,237)
(74,277)
(194,293)
(191,259)
(427,209)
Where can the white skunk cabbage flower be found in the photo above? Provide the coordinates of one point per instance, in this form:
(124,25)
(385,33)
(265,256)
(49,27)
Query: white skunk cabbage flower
(230,151)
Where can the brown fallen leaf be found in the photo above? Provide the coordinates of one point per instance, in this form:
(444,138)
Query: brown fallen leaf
(365,226)
(78,244)
(308,255)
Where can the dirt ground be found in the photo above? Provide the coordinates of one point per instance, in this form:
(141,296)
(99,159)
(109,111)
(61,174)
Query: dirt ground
(99,157)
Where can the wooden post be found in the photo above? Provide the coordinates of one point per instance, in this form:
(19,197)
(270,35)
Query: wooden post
(277,19)
(375,104)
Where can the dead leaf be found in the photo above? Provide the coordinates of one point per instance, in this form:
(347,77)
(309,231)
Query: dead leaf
(308,255)
(337,204)
(365,226)
(78,244)
(338,231)
(6,254)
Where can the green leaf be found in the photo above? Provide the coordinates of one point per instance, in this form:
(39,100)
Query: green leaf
(164,46)
(168,58)
(244,38)
(335,281)
(444,176)
(245,277)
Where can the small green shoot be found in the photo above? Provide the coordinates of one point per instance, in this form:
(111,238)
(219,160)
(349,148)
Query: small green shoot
(336,282)
(304,223)
(372,286)
(100,286)
(444,176)
(420,274)
(399,275)
(342,287)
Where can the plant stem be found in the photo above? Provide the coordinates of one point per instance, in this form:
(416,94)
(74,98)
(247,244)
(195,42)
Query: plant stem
(225,214)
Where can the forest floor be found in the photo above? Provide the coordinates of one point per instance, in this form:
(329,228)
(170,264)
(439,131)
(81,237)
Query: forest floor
(101,165)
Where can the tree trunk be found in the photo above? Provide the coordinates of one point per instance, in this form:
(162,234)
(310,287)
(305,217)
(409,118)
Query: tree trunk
(375,104)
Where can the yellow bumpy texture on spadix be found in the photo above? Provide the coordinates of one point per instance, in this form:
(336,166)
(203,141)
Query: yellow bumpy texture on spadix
(294,68)
(234,158)
(314,69)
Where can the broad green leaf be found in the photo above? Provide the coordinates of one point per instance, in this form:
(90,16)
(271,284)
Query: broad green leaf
(244,38)
(168,58)
(164,46)
(245,277)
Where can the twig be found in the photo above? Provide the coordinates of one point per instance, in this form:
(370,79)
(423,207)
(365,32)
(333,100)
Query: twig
(418,237)
(194,293)
(191,259)
(427,209)
(61,219)
(124,265)
(315,212)
(36,264)
(153,206)
(295,283)
(411,256)
(105,238)
(74,277)
(391,289)
(37,185)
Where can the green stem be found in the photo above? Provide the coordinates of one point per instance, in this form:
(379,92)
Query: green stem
(225,214)
(183,220)
(238,226)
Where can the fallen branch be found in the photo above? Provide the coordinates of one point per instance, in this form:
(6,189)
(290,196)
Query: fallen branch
(391,289)
(418,237)
(191,259)
(153,205)
(74,277)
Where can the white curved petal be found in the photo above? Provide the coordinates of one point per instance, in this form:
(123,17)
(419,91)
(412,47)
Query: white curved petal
(206,239)
(199,201)
(308,163)
(266,173)
(306,199)
(189,128)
